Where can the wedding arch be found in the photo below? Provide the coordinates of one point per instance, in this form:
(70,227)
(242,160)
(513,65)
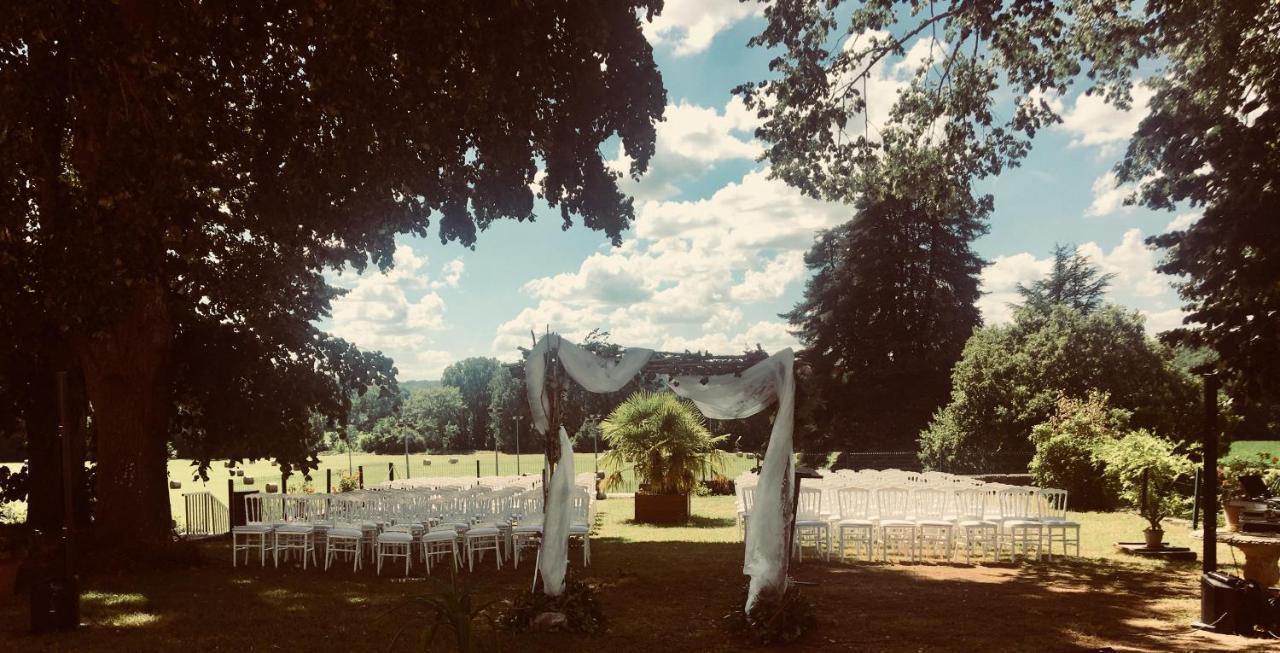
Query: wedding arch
(722,387)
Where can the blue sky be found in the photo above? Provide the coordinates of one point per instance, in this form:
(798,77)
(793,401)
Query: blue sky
(715,253)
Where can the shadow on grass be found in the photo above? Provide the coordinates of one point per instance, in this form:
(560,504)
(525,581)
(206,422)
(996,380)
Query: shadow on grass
(657,596)
(695,521)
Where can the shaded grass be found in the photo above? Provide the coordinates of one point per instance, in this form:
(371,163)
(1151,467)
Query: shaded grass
(666,589)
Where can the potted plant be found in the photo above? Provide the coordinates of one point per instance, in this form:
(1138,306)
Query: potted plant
(664,439)
(1230,491)
(1143,468)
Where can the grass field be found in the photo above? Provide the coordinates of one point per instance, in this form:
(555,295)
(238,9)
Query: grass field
(1250,448)
(663,589)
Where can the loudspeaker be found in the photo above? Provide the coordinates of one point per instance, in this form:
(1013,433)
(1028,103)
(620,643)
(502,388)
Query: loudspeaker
(55,604)
(1224,604)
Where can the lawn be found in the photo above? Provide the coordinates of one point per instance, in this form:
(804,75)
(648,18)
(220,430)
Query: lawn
(666,589)
(1250,448)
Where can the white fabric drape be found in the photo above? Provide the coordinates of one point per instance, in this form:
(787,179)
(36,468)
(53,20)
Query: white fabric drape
(596,375)
(732,397)
(555,524)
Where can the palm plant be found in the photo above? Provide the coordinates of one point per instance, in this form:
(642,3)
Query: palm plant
(664,438)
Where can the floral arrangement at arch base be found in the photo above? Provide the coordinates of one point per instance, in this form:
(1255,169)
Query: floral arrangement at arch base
(777,618)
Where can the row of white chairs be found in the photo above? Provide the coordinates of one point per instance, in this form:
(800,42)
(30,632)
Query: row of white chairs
(394,524)
(916,519)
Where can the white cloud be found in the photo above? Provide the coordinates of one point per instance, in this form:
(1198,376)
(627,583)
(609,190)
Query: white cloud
(683,278)
(1000,281)
(1182,221)
(1108,196)
(1137,284)
(691,139)
(1092,122)
(396,312)
(450,274)
(689,26)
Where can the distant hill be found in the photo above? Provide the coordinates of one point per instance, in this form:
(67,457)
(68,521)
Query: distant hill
(419,385)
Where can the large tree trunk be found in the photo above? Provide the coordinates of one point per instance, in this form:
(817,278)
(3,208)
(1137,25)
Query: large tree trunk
(127,376)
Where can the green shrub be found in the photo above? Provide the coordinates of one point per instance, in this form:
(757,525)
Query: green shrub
(1141,462)
(1065,446)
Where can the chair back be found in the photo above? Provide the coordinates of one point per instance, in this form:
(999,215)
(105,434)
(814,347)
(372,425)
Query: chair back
(1017,503)
(1053,503)
(855,502)
(929,503)
(971,503)
(893,502)
(810,502)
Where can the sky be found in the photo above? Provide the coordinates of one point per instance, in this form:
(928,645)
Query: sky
(716,251)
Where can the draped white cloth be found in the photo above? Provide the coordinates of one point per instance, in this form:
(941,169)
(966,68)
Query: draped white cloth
(731,397)
(555,524)
(722,397)
(596,375)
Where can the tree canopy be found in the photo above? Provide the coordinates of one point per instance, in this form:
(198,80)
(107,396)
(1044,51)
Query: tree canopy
(473,377)
(1010,378)
(889,308)
(1073,281)
(179,176)
(985,85)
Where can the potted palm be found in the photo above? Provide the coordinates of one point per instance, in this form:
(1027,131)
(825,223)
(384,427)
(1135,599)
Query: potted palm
(1144,467)
(665,440)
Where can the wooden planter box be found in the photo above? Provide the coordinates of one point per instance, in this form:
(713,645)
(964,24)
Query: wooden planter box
(662,508)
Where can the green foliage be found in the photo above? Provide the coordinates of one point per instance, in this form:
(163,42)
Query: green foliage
(1144,468)
(179,178)
(507,400)
(890,305)
(1010,378)
(1065,444)
(983,92)
(578,603)
(1073,281)
(1262,464)
(436,416)
(664,438)
(473,378)
(775,619)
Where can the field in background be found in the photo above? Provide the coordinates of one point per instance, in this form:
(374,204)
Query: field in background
(1250,448)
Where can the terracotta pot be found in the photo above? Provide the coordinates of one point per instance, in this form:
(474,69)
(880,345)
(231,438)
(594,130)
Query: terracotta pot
(1155,538)
(1233,516)
(662,508)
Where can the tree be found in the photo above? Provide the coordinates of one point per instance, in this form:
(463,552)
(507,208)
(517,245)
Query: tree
(507,401)
(437,415)
(1065,445)
(180,175)
(986,82)
(1010,378)
(473,378)
(1074,281)
(889,307)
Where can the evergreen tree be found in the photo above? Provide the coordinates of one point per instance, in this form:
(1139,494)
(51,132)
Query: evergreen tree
(1074,282)
(890,306)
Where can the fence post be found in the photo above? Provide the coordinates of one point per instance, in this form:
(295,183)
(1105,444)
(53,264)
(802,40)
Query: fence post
(391,471)
(477,468)
(360,471)
(328,481)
